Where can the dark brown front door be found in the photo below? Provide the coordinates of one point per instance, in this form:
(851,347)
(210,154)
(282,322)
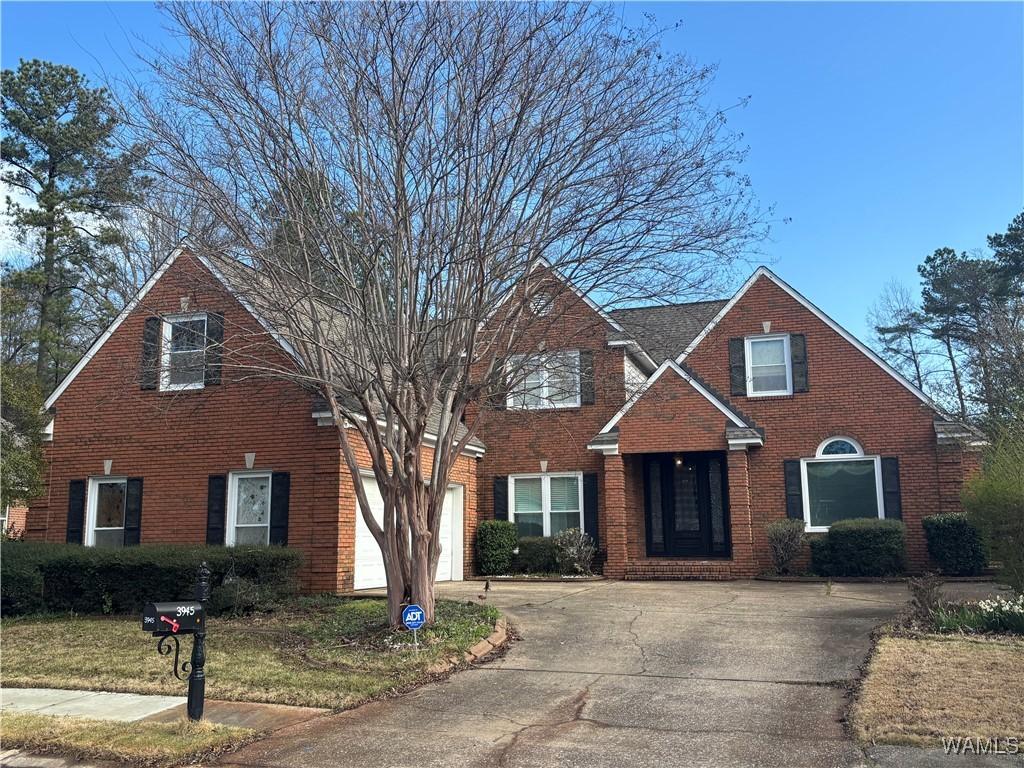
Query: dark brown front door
(686,505)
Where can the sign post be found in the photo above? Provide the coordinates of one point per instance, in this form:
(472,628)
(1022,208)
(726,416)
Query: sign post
(185,617)
(413,618)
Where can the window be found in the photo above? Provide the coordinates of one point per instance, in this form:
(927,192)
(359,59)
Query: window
(840,483)
(249,508)
(543,505)
(540,304)
(769,371)
(5,513)
(105,511)
(545,381)
(184,352)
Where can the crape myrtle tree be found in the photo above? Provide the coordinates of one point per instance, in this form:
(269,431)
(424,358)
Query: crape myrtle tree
(395,185)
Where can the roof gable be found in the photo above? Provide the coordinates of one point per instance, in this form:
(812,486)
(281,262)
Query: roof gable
(765,273)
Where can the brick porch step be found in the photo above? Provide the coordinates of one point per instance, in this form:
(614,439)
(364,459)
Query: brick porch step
(655,569)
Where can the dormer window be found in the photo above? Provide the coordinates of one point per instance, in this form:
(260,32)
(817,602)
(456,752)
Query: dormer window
(183,361)
(769,366)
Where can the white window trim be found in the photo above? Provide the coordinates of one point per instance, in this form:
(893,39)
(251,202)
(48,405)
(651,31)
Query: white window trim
(92,499)
(880,499)
(232,511)
(547,405)
(748,362)
(166,326)
(545,496)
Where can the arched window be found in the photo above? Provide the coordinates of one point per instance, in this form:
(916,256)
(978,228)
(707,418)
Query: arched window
(840,483)
(839,446)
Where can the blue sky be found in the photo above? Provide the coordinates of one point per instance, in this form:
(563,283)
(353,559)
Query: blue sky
(880,131)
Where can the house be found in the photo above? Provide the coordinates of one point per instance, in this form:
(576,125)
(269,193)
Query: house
(679,432)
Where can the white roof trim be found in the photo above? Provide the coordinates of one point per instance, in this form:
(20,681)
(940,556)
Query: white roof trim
(808,305)
(102,338)
(542,262)
(673,366)
(429,439)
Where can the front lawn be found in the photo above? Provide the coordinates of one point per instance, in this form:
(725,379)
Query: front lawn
(920,689)
(138,743)
(323,652)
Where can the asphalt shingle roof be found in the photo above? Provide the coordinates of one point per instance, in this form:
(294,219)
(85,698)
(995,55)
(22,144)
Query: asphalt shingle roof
(665,331)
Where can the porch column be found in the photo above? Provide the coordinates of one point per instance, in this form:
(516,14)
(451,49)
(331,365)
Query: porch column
(740,517)
(615,516)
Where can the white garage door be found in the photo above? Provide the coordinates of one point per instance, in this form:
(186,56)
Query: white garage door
(369,564)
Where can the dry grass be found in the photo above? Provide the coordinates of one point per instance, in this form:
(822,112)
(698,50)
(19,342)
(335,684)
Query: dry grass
(141,743)
(920,689)
(327,652)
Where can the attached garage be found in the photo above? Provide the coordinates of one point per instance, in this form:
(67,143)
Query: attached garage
(369,564)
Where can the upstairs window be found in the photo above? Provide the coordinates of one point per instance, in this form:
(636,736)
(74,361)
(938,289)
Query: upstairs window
(184,352)
(769,368)
(545,381)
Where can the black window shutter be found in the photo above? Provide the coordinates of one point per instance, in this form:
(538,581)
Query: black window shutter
(76,512)
(280,490)
(216,508)
(794,489)
(501,497)
(737,367)
(892,504)
(586,377)
(133,512)
(590,506)
(149,371)
(798,359)
(214,342)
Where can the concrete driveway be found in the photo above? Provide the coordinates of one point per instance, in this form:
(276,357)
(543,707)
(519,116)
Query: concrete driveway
(627,674)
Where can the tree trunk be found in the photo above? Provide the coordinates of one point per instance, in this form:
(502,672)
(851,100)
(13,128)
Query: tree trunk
(46,298)
(956,377)
(424,564)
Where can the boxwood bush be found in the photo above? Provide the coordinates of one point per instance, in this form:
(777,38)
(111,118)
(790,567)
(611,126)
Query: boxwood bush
(860,547)
(495,547)
(37,577)
(536,555)
(955,544)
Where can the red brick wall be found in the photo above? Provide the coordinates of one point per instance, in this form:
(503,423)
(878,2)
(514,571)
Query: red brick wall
(517,441)
(672,416)
(175,440)
(848,395)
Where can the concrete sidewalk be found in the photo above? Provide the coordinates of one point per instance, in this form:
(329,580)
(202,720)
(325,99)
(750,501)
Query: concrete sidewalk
(133,707)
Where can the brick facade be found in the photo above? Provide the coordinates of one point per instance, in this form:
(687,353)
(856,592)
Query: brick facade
(175,440)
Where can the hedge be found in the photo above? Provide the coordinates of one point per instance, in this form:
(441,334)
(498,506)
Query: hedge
(495,546)
(955,544)
(536,555)
(37,577)
(860,547)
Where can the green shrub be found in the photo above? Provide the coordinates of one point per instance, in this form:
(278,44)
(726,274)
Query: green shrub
(995,615)
(821,556)
(994,501)
(955,544)
(119,581)
(861,547)
(785,539)
(495,545)
(21,582)
(574,552)
(536,554)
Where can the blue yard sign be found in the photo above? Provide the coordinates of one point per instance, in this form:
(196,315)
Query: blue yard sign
(412,617)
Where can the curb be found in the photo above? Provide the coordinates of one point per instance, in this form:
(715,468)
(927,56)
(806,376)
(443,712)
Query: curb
(495,641)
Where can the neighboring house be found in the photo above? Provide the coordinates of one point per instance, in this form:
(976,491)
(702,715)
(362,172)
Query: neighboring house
(151,443)
(699,424)
(672,434)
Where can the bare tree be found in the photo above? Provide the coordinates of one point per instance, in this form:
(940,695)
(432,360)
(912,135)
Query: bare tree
(397,185)
(899,330)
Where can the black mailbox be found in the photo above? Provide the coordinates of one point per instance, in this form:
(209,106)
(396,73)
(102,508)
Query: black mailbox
(179,618)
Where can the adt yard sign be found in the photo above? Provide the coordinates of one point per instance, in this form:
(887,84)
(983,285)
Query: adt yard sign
(412,617)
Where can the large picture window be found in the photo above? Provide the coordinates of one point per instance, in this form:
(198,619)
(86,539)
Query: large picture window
(544,505)
(184,352)
(840,483)
(769,371)
(545,381)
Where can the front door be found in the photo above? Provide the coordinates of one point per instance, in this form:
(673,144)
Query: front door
(686,504)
